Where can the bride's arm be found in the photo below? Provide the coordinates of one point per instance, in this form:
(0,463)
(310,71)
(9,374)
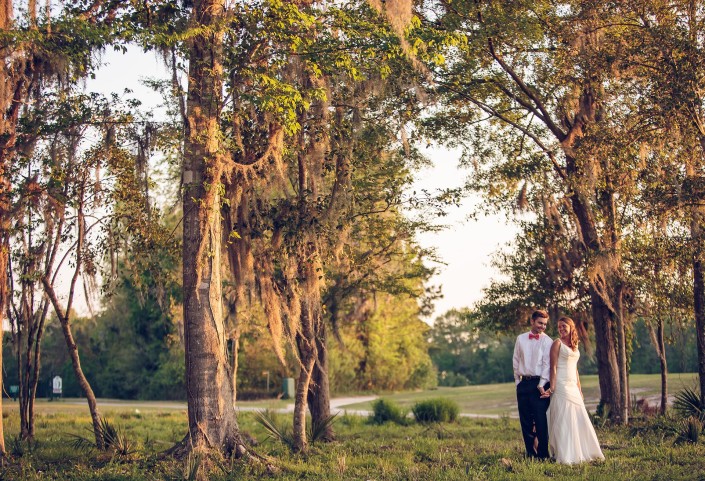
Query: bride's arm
(577,376)
(555,349)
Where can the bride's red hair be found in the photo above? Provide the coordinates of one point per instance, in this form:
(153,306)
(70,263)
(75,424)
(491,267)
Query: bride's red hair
(574,339)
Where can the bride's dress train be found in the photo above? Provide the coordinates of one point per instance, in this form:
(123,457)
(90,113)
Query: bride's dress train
(572,438)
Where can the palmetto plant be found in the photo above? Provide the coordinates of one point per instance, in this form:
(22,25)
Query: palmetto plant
(282,431)
(113,438)
(690,430)
(276,429)
(687,403)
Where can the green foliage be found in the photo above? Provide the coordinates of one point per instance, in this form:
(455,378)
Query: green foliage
(318,428)
(681,350)
(438,410)
(113,437)
(466,352)
(19,447)
(452,379)
(278,427)
(467,449)
(690,430)
(373,358)
(384,410)
(192,464)
(688,404)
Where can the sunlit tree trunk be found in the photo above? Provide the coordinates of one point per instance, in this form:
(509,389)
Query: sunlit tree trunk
(309,269)
(605,296)
(307,357)
(9,109)
(212,421)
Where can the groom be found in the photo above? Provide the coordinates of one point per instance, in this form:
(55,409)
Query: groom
(531,363)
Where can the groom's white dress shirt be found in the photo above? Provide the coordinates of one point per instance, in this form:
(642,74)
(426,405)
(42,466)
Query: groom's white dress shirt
(532,357)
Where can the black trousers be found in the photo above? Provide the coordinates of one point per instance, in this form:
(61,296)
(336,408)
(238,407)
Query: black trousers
(532,413)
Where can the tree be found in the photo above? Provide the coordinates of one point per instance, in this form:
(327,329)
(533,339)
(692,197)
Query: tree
(291,199)
(542,74)
(41,54)
(666,53)
(209,384)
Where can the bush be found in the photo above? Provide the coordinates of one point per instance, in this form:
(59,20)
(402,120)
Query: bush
(690,430)
(437,410)
(385,410)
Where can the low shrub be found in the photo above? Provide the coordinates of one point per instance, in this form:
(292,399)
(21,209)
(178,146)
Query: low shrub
(385,410)
(437,410)
(691,428)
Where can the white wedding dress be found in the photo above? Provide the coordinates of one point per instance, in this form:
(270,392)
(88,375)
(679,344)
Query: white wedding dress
(571,437)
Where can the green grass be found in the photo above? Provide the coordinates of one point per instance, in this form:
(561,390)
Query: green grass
(500,399)
(469,449)
(480,449)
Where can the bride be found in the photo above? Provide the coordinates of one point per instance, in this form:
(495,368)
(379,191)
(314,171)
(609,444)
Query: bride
(572,438)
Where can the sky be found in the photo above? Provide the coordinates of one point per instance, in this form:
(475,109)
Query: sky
(465,246)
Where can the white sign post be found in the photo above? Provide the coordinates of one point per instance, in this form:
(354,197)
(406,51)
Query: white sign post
(56,385)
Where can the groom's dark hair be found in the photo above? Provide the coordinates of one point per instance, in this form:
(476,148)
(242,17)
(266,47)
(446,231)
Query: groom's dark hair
(539,313)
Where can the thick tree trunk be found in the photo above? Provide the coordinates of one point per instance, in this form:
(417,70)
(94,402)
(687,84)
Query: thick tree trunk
(308,268)
(319,390)
(8,122)
(607,365)
(603,288)
(212,421)
(697,235)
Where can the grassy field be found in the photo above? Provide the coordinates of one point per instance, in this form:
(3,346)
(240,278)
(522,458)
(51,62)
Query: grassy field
(500,399)
(471,449)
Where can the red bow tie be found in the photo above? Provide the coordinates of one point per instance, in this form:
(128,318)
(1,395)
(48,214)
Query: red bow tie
(534,336)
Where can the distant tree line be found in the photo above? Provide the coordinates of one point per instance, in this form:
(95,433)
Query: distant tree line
(465,351)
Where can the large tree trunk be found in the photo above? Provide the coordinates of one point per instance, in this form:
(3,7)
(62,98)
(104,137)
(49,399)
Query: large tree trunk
(697,234)
(6,129)
(605,296)
(212,421)
(319,390)
(308,268)
(607,366)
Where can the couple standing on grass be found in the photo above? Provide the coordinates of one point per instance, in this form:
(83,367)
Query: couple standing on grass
(546,373)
